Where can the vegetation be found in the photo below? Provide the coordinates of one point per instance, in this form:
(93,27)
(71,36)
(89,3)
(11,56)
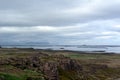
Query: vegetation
(30,64)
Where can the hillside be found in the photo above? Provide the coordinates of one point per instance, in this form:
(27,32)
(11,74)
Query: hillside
(31,64)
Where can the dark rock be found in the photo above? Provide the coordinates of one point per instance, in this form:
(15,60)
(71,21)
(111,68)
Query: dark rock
(51,71)
(69,65)
(49,68)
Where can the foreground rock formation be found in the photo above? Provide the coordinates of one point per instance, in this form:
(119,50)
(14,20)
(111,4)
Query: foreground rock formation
(42,63)
(58,67)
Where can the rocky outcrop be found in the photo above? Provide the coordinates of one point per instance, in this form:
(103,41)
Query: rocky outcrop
(42,63)
(51,71)
(50,66)
(69,64)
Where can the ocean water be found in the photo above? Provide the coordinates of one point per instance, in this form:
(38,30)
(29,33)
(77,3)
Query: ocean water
(88,48)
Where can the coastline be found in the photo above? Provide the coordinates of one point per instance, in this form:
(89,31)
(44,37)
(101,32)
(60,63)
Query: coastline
(81,48)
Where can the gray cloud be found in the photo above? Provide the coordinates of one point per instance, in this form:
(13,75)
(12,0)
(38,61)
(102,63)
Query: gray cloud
(56,12)
(60,21)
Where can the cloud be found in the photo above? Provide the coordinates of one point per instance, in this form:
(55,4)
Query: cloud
(27,29)
(80,33)
(56,13)
(60,21)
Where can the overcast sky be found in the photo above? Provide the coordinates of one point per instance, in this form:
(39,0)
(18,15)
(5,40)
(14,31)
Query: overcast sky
(60,21)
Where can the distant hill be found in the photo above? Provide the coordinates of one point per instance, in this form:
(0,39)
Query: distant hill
(37,43)
(24,43)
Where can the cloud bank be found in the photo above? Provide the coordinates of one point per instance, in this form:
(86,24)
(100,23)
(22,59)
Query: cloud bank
(60,21)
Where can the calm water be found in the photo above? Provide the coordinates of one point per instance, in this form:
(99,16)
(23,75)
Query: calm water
(101,48)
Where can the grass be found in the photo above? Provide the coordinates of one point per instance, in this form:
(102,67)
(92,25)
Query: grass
(93,56)
(99,74)
(8,72)
(6,76)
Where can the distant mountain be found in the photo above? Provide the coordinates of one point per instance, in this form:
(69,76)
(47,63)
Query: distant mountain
(24,43)
(37,43)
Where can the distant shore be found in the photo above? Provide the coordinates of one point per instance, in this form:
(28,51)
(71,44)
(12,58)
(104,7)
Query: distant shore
(81,48)
(51,50)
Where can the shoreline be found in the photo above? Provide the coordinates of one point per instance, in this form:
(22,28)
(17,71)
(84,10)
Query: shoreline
(62,50)
(87,49)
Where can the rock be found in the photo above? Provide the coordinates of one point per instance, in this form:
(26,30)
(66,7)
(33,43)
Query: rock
(49,68)
(51,71)
(69,65)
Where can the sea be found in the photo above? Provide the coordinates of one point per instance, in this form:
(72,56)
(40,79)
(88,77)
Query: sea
(85,48)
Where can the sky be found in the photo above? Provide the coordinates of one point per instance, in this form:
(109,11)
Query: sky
(69,22)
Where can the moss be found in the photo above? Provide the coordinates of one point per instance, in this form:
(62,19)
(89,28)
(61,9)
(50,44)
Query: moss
(5,76)
(67,75)
(13,73)
(9,77)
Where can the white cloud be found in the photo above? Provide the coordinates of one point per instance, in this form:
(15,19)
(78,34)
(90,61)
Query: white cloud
(27,29)
(117,26)
(77,33)
(104,37)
